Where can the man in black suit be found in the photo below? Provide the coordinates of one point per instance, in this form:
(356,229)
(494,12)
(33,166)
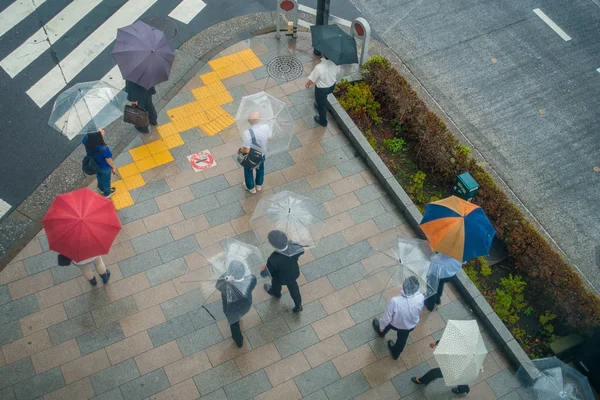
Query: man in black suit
(283,267)
(142,97)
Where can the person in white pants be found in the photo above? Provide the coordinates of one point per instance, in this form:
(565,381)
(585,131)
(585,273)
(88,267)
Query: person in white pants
(86,268)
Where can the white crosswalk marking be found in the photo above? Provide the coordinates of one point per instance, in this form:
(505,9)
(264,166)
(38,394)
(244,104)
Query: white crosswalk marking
(4,208)
(115,78)
(55,80)
(332,18)
(17,12)
(41,41)
(187,10)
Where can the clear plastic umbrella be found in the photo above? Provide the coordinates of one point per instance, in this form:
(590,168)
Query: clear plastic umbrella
(297,217)
(234,270)
(556,380)
(263,109)
(460,352)
(86,107)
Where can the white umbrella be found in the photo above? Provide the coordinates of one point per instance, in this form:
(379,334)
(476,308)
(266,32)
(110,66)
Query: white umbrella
(86,108)
(460,352)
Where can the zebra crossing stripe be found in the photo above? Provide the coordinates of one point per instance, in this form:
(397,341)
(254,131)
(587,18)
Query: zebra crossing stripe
(4,208)
(17,12)
(187,10)
(58,78)
(45,37)
(115,78)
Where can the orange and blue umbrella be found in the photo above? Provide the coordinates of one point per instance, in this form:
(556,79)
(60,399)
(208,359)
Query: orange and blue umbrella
(457,228)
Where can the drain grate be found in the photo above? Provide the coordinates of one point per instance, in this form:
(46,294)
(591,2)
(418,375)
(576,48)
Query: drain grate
(164,24)
(285,68)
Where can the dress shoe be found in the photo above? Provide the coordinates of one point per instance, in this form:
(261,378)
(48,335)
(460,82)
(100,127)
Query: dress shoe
(297,309)
(391,347)
(268,290)
(318,122)
(456,391)
(377,328)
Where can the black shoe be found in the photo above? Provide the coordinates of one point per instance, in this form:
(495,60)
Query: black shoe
(154,123)
(438,301)
(315,106)
(377,328)
(240,343)
(391,347)
(142,130)
(317,121)
(105,276)
(415,381)
(93,281)
(456,391)
(268,290)
(297,309)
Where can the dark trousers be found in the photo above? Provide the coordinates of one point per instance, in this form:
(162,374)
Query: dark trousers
(435,299)
(292,287)
(401,338)
(152,115)
(436,373)
(321,100)
(236,332)
(103,176)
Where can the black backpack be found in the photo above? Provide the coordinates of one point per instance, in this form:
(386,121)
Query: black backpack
(89,165)
(254,157)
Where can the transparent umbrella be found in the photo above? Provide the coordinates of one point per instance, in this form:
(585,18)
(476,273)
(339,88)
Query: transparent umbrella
(86,107)
(297,217)
(233,271)
(556,380)
(265,110)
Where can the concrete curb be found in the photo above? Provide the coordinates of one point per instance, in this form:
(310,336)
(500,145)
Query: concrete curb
(476,301)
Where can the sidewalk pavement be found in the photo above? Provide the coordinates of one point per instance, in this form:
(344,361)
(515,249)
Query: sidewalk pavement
(146,334)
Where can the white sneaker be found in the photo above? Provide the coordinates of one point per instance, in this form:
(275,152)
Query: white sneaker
(258,187)
(253,190)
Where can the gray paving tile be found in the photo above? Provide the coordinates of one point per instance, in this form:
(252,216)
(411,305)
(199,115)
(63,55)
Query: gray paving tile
(260,73)
(389,220)
(150,190)
(151,240)
(330,159)
(403,383)
(180,305)
(294,113)
(248,237)
(140,263)
(366,211)
(299,186)
(44,243)
(7,394)
(136,142)
(238,92)
(180,99)
(368,308)
(358,334)
(71,328)
(335,142)
(313,311)
(329,245)
(199,340)
(320,267)
(225,214)
(318,395)
(321,194)
(4,295)
(138,211)
(316,378)
(420,395)
(86,302)
(305,109)
(514,395)
(355,253)
(347,275)
(10,332)
(115,376)
(102,337)
(178,248)
(348,387)
(16,372)
(274,307)
(215,309)
(63,274)
(170,330)
(503,382)
(123,159)
(300,97)
(369,193)
(114,311)
(454,310)
(168,271)
(232,194)
(389,205)
(249,386)
(40,262)
(217,377)
(199,206)
(145,386)
(296,341)
(204,143)
(39,385)
(438,335)
(18,309)
(190,135)
(201,318)
(280,161)
(114,394)
(351,167)
(267,332)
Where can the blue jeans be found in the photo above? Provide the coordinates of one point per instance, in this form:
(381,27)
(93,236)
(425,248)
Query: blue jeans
(103,177)
(260,175)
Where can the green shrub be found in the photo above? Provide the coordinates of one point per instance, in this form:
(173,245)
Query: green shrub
(416,187)
(395,144)
(485,268)
(358,100)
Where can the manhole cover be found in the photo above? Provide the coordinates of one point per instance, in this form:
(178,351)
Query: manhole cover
(164,24)
(285,68)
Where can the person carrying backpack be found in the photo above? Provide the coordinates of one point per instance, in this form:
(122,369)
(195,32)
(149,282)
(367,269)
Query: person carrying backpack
(252,155)
(99,161)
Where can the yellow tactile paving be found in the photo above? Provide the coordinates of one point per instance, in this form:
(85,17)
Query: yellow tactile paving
(145,164)
(223,98)
(239,68)
(122,200)
(156,147)
(134,181)
(128,170)
(253,63)
(173,141)
(163,158)
(209,77)
(166,130)
(139,153)
(119,186)
(245,54)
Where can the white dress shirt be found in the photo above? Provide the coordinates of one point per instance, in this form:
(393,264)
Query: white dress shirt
(325,74)
(85,262)
(448,266)
(262,134)
(403,311)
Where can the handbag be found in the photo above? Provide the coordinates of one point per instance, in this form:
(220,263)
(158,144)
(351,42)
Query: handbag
(89,165)
(136,115)
(253,158)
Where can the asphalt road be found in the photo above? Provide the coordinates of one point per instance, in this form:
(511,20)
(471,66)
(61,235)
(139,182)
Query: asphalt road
(526,98)
(30,150)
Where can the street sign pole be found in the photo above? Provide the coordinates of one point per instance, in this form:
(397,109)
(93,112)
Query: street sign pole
(322,16)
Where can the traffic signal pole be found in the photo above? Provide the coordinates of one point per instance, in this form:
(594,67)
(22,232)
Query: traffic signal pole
(322,16)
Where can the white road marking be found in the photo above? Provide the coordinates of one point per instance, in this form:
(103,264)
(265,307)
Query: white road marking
(552,25)
(41,41)
(115,78)
(332,18)
(56,80)
(187,10)
(303,23)
(598,69)
(4,208)
(17,12)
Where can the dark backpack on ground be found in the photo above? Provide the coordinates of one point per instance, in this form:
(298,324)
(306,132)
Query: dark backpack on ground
(89,165)
(254,157)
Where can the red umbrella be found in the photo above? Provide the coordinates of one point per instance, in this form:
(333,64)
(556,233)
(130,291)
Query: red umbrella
(81,224)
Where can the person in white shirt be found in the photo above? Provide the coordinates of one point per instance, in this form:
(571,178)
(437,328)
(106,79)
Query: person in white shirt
(447,267)
(401,315)
(86,268)
(324,77)
(256,137)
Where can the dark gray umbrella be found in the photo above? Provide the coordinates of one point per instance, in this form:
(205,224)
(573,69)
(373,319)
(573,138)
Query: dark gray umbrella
(336,44)
(143,54)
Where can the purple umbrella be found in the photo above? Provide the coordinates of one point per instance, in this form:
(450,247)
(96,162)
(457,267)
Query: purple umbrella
(143,54)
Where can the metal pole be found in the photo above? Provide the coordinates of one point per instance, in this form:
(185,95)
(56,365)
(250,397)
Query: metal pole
(322,17)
